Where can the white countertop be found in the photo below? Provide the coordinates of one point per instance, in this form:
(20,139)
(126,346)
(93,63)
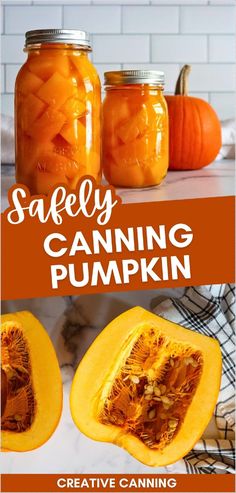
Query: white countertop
(215,180)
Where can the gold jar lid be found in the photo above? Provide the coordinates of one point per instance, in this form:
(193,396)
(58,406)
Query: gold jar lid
(65,36)
(122,77)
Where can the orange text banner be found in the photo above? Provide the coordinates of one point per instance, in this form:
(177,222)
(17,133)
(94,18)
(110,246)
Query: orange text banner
(141,246)
(134,483)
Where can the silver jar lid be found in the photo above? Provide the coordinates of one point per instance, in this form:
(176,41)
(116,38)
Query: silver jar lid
(121,77)
(65,36)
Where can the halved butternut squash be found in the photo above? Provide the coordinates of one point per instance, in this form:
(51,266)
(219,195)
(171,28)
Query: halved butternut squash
(147,385)
(31,385)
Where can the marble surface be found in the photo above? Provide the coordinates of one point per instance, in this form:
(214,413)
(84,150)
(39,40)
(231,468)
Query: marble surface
(216,180)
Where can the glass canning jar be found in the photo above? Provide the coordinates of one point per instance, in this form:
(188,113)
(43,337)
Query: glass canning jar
(57,111)
(135,128)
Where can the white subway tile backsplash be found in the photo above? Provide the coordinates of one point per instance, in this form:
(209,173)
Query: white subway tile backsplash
(2,78)
(222,2)
(19,19)
(11,73)
(224,104)
(7,101)
(212,77)
(16,2)
(102,68)
(150,19)
(222,48)
(61,2)
(201,95)
(12,49)
(171,72)
(179,48)
(120,48)
(121,2)
(151,34)
(180,2)
(207,19)
(2,19)
(94,19)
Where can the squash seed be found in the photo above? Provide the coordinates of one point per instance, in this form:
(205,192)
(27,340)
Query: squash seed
(149,389)
(162,388)
(157,391)
(173,423)
(166,406)
(134,379)
(190,361)
(152,414)
(165,399)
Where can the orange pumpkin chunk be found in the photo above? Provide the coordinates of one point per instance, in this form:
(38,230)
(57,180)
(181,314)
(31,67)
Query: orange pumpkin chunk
(45,65)
(57,165)
(134,127)
(72,131)
(69,132)
(29,155)
(56,90)
(29,82)
(31,109)
(138,151)
(44,181)
(132,176)
(153,172)
(73,108)
(48,125)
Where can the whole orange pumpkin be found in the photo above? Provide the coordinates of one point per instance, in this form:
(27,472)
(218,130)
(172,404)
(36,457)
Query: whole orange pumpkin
(194,127)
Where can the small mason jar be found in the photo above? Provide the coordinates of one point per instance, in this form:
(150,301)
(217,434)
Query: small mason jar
(57,111)
(135,128)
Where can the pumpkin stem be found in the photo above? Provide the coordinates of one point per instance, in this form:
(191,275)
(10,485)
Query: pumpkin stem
(182,81)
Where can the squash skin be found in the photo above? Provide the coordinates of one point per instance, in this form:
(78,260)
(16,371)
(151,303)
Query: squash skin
(99,366)
(195,133)
(47,384)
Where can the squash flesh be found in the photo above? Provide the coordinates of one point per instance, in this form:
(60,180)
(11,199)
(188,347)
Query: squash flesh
(107,360)
(44,385)
(153,389)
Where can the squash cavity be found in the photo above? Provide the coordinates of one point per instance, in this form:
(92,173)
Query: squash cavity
(153,389)
(20,405)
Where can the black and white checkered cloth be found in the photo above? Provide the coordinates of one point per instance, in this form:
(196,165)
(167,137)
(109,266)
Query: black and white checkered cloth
(210,311)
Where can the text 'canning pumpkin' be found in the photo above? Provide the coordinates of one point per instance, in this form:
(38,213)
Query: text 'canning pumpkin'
(31,387)
(194,128)
(148,385)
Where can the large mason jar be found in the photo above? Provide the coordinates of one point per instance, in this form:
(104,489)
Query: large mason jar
(57,111)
